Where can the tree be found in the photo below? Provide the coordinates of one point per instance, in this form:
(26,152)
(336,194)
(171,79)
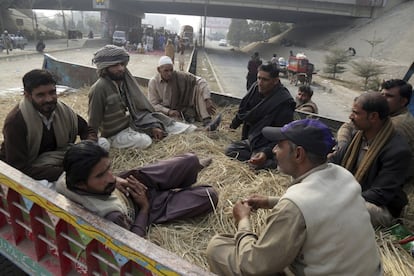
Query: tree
(277,28)
(258,30)
(94,24)
(334,61)
(237,29)
(373,42)
(366,69)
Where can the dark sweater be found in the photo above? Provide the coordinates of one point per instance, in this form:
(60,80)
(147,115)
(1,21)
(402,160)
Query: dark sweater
(383,183)
(256,112)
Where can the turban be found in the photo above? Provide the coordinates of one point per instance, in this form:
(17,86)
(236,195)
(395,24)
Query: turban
(164,60)
(110,55)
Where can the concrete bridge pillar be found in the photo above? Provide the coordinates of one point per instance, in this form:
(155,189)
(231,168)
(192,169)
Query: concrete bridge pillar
(113,20)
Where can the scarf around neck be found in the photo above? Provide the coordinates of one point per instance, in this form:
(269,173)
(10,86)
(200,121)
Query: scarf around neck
(351,155)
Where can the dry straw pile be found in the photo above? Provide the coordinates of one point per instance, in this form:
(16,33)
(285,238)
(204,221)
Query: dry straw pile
(233,180)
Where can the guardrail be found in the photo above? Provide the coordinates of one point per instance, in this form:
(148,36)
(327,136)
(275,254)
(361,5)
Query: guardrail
(77,76)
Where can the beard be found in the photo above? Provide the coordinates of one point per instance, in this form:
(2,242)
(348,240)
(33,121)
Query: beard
(46,108)
(300,102)
(116,77)
(109,188)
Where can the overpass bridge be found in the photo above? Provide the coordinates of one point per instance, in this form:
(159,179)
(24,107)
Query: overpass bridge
(130,12)
(293,11)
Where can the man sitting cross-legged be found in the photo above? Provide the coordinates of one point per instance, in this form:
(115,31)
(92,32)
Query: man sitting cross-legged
(38,130)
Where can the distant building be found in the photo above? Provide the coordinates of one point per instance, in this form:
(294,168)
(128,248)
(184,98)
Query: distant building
(156,20)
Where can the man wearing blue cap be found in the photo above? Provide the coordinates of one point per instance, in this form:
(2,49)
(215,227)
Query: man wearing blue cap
(304,229)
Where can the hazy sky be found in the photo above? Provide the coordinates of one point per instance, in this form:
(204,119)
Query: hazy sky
(183,19)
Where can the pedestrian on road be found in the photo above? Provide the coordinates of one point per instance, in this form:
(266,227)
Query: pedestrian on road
(321,209)
(180,51)
(170,50)
(252,66)
(7,41)
(274,60)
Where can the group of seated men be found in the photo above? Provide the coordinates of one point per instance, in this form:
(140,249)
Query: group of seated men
(325,205)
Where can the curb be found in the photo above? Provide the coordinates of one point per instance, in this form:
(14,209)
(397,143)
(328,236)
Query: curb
(214,73)
(32,53)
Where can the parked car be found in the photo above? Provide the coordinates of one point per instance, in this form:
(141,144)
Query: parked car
(222,42)
(119,38)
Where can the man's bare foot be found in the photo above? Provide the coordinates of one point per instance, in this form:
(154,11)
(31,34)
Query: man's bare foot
(205,162)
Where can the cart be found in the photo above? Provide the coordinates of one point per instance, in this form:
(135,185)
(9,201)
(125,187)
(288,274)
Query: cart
(300,70)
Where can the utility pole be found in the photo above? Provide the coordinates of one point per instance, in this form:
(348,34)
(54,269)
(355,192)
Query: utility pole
(205,20)
(35,25)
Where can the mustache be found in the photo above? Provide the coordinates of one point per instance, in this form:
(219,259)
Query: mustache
(109,187)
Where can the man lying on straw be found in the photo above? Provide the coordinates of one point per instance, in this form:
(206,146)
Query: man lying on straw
(137,198)
(320,226)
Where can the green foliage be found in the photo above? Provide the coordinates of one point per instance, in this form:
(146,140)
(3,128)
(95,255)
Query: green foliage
(94,24)
(334,60)
(52,24)
(253,30)
(367,69)
(237,31)
(276,28)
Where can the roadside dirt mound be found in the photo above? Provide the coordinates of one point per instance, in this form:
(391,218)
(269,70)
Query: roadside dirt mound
(394,29)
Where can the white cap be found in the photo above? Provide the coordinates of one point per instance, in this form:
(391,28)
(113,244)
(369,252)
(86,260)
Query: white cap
(165,60)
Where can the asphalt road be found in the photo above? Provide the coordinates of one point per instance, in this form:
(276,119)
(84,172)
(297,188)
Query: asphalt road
(231,68)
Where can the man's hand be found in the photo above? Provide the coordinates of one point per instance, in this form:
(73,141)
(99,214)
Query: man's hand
(258,201)
(121,185)
(174,114)
(157,133)
(211,109)
(138,192)
(258,159)
(240,211)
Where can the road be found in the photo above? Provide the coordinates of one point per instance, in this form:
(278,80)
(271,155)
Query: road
(13,68)
(229,66)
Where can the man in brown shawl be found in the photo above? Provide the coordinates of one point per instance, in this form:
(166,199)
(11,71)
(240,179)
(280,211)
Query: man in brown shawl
(378,157)
(118,108)
(398,94)
(181,95)
(39,129)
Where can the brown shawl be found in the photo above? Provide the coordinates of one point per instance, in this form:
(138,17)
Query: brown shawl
(182,92)
(65,126)
(352,152)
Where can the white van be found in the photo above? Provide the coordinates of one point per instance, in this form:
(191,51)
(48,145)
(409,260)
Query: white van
(119,38)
